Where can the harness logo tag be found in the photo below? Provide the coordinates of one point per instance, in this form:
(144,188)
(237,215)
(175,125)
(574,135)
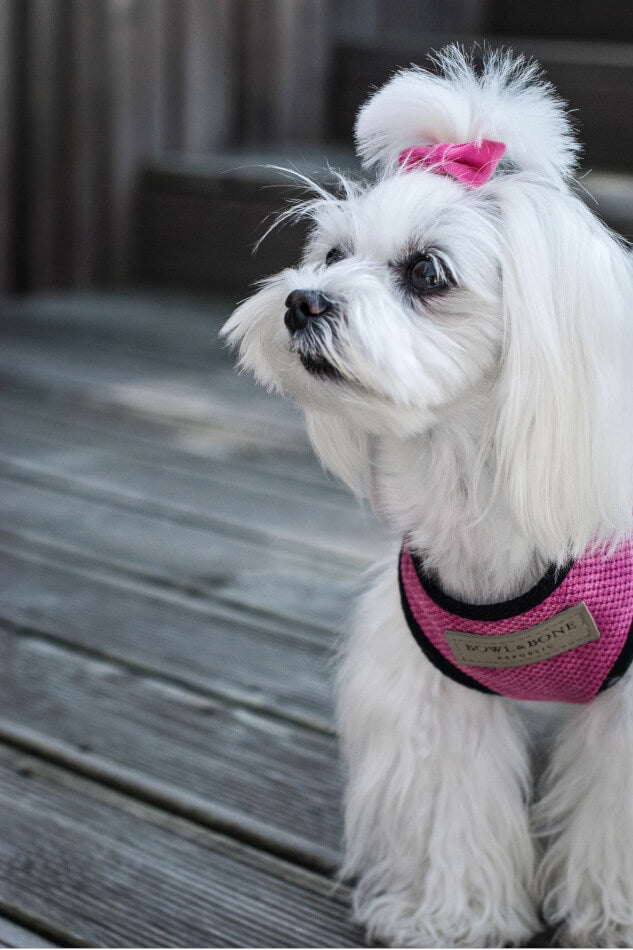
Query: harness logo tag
(570,628)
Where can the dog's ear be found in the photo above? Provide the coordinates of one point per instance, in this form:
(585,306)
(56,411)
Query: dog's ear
(505,99)
(340,448)
(564,439)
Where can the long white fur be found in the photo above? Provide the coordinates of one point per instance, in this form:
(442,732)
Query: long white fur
(492,425)
(438,782)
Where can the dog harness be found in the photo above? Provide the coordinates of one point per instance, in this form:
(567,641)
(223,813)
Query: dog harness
(565,640)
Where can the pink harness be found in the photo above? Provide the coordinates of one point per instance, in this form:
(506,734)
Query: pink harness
(564,653)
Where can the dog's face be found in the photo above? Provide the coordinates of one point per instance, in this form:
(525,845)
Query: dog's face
(421,290)
(395,310)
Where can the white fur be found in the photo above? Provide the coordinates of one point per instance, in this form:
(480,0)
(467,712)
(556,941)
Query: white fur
(508,102)
(491,424)
(438,782)
(585,815)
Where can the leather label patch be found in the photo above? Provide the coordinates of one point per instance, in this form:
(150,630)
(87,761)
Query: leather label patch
(570,628)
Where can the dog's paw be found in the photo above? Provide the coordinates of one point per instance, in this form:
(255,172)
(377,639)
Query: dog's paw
(598,919)
(605,934)
(587,898)
(392,921)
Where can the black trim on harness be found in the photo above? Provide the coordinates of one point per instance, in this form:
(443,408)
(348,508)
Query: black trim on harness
(500,611)
(432,654)
(622,663)
(553,578)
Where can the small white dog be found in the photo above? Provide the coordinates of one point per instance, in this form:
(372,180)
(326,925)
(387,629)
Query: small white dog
(459,336)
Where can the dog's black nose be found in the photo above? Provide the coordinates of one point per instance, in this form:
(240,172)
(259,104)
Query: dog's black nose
(303,306)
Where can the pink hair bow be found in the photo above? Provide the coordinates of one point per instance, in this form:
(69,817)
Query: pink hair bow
(471,163)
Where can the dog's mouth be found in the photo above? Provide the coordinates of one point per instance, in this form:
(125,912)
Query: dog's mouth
(319,366)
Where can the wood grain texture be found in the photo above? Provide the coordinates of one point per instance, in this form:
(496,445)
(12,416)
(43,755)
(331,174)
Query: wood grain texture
(107,870)
(15,935)
(195,558)
(264,551)
(172,568)
(216,649)
(102,365)
(138,383)
(272,587)
(255,776)
(226,442)
(252,510)
(223,450)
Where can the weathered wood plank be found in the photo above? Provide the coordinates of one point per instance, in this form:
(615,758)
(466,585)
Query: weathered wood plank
(158,322)
(251,504)
(149,353)
(252,775)
(197,353)
(306,595)
(128,316)
(138,384)
(212,648)
(221,448)
(109,871)
(14,935)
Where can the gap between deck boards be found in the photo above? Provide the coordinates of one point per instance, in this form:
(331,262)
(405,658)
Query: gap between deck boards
(269,782)
(343,555)
(257,834)
(161,880)
(221,453)
(17,932)
(229,438)
(260,671)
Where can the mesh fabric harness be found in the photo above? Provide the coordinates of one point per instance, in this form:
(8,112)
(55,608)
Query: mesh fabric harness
(604,585)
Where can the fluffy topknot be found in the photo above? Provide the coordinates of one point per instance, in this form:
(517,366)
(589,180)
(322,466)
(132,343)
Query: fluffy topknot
(506,100)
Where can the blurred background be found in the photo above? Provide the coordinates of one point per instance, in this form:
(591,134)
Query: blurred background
(129,128)
(175,567)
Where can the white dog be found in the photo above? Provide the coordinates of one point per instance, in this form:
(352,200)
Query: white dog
(459,335)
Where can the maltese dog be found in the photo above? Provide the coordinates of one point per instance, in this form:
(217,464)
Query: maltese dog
(458,333)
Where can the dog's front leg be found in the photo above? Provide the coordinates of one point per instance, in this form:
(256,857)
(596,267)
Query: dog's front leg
(586,817)
(437,828)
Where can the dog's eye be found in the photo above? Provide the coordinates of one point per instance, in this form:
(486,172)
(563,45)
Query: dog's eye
(333,255)
(425,273)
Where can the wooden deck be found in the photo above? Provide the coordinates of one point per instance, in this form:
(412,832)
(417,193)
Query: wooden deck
(174,569)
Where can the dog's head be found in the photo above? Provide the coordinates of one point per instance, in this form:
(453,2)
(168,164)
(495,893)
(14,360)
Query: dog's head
(464,273)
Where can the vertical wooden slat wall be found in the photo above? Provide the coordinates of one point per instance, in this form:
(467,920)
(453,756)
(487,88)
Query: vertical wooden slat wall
(43,170)
(128,116)
(106,85)
(9,37)
(284,54)
(208,78)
